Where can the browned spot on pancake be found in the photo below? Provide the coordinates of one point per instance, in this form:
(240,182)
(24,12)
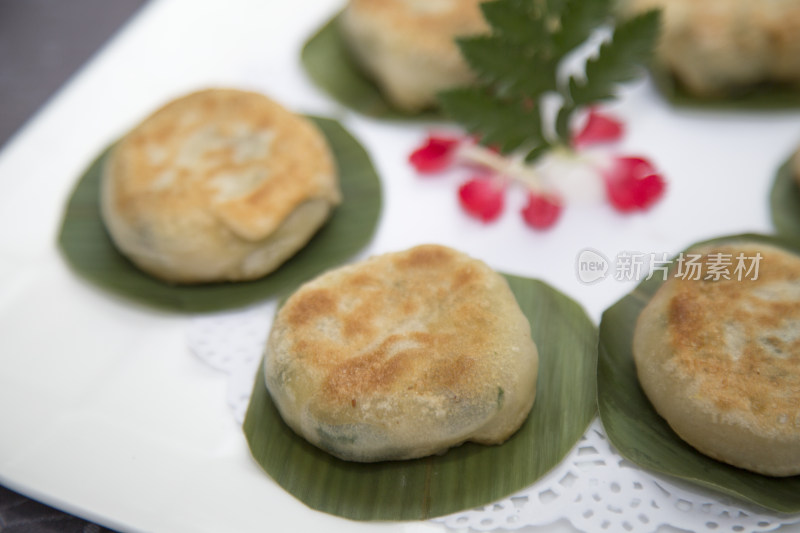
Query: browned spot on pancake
(475,320)
(362,280)
(268,189)
(409,307)
(450,373)
(354,326)
(359,320)
(428,257)
(364,375)
(464,277)
(311,305)
(301,346)
(684,316)
(397,359)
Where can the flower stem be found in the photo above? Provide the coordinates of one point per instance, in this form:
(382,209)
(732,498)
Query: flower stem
(510,167)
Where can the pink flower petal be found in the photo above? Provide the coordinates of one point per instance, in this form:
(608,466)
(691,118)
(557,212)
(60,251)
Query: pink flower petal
(435,155)
(633,184)
(542,211)
(599,128)
(482,198)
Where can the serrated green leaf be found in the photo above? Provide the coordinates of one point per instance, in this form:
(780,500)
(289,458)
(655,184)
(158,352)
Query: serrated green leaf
(562,122)
(556,7)
(517,66)
(508,125)
(579,19)
(513,71)
(536,153)
(516,59)
(516,20)
(619,60)
(491,57)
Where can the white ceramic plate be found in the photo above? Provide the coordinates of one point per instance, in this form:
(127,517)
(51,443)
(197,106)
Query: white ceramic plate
(73,359)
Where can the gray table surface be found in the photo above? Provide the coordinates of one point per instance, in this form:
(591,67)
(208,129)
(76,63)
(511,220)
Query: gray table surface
(42,44)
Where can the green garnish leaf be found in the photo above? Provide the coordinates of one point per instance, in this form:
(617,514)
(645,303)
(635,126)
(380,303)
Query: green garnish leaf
(512,20)
(518,62)
(578,21)
(496,60)
(618,61)
(507,124)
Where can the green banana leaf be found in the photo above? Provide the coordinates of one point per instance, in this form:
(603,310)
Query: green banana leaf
(762,97)
(329,65)
(637,431)
(88,249)
(784,202)
(469,475)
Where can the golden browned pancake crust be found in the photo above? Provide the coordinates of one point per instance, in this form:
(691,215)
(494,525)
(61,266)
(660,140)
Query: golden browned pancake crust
(720,359)
(401,356)
(408,46)
(196,191)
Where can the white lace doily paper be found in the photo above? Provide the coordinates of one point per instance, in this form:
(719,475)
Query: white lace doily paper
(594,488)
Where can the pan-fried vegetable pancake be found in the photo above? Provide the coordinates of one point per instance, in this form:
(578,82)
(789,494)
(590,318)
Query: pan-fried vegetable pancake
(219,185)
(718,47)
(403,355)
(408,47)
(720,358)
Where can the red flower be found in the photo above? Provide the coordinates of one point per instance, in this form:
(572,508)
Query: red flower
(633,184)
(542,211)
(482,197)
(435,155)
(599,128)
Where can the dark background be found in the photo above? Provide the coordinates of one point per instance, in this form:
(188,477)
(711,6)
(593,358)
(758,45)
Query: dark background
(42,44)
